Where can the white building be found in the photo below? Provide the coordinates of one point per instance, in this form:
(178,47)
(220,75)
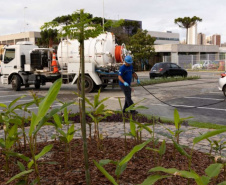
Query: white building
(14,38)
(192,35)
(165,37)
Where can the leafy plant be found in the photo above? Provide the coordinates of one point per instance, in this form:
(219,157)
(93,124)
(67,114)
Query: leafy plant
(120,165)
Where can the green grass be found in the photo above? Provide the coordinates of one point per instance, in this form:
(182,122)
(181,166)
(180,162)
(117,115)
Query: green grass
(165,80)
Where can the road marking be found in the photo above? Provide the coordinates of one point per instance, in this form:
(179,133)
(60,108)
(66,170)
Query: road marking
(205,98)
(17,101)
(188,106)
(14,95)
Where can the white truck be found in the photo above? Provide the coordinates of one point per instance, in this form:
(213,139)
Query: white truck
(25,64)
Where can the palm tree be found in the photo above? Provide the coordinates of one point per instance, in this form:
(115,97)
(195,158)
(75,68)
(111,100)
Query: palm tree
(187,22)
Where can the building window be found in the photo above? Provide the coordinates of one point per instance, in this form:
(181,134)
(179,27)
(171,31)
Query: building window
(9,55)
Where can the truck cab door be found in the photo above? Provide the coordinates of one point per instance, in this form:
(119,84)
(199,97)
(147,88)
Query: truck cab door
(9,61)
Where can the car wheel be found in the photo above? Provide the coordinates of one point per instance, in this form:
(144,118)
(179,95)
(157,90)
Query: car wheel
(89,84)
(224,90)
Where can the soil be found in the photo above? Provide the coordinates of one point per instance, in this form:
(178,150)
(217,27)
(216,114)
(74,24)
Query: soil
(73,172)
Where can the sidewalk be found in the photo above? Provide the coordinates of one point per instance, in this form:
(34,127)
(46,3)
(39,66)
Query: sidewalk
(116,130)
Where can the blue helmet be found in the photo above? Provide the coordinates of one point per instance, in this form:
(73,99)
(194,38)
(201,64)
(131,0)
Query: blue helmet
(128,59)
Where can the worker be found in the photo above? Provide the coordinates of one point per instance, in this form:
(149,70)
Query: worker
(125,75)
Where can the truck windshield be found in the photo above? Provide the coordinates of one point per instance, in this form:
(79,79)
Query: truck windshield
(9,55)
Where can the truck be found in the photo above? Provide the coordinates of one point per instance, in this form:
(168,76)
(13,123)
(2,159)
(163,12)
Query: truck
(25,64)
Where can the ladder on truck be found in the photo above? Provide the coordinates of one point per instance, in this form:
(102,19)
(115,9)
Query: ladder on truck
(65,77)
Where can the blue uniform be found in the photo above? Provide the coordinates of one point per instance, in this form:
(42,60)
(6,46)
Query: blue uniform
(126,73)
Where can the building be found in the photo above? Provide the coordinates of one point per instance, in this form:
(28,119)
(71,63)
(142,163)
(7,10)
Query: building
(192,35)
(201,40)
(14,38)
(216,40)
(165,37)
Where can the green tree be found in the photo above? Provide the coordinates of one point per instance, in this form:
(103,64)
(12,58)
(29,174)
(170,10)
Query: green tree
(187,22)
(131,27)
(141,46)
(48,37)
(79,28)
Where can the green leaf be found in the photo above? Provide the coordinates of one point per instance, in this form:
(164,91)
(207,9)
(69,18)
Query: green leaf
(87,101)
(71,132)
(181,150)
(66,116)
(162,148)
(57,120)
(120,169)
(176,118)
(132,128)
(207,135)
(46,103)
(104,162)
(154,178)
(21,166)
(213,170)
(175,171)
(100,109)
(43,152)
(15,154)
(106,174)
(133,151)
(222,183)
(32,125)
(63,139)
(3,105)
(18,176)
(14,101)
(203,180)
(152,149)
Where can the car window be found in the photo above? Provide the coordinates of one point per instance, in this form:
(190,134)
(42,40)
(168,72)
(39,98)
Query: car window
(157,66)
(174,66)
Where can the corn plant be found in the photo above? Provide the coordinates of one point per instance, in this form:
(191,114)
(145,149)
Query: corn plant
(120,165)
(177,123)
(161,151)
(97,113)
(212,171)
(65,137)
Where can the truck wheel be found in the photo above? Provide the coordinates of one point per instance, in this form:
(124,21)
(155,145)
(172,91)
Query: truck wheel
(37,86)
(89,84)
(16,83)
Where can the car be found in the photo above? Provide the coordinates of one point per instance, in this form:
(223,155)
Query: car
(165,69)
(222,83)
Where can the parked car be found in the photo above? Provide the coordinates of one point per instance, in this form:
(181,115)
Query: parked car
(165,69)
(222,83)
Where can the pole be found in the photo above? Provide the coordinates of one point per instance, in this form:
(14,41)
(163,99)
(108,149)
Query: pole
(103,16)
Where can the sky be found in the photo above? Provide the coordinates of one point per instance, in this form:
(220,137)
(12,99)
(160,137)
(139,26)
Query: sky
(156,15)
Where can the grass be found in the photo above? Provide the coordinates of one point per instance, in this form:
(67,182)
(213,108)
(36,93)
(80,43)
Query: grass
(165,80)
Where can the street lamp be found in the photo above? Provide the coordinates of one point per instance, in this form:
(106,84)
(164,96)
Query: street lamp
(24,18)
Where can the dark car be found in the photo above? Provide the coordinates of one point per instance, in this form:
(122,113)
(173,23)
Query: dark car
(165,69)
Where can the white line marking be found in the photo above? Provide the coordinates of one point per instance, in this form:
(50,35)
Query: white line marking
(209,108)
(17,101)
(205,98)
(13,95)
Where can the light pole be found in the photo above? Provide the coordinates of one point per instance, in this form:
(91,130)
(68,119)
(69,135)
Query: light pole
(103,16)
(24,18)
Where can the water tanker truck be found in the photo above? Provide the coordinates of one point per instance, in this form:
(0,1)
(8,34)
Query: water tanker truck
(25,64)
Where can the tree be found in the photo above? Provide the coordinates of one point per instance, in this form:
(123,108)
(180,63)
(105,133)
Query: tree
(131,27)
(48,37)
(79,26)
(187,22)
(141,46)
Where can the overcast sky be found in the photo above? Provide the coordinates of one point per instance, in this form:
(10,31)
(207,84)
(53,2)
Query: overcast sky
(156,15)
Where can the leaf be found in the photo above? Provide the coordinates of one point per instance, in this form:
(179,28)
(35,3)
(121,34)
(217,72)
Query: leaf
(57,120)
(162,148)
(46,103)
(106,174)
(152,149)
(32,125)
(15,154)
(175,171)
(120,169)
(66,116)
(43,152)
(21,166)
(176,118)
(14,101)
(104,162)
(132,128)
(87,101)
(100,109)
(154,178)
(63,139)
(222,183)
(3,105)
(207,135)
(18,176)
(133,151)
(181,150)
(213,170)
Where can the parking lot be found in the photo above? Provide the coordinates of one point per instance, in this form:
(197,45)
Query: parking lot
(198,98)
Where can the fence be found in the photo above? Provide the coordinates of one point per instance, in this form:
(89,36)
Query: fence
(199,62)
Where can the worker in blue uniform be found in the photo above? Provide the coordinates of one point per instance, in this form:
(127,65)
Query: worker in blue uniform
(125,75)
